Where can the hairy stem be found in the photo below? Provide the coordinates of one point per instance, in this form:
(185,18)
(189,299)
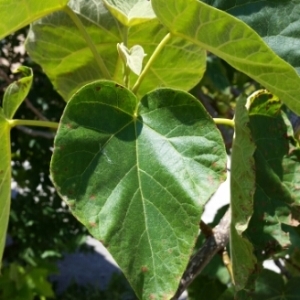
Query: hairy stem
(212,245)
(89,41)
(221,121)
(150,61)
(48,124)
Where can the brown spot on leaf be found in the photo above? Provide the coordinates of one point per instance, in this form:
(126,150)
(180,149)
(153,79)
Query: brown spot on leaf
(210,180)
(144,269)
(92,224)
(119,86)
(92,197)
(103,243)
(98,88)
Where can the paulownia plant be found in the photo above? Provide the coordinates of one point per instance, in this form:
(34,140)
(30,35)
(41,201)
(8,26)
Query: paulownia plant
(136,157)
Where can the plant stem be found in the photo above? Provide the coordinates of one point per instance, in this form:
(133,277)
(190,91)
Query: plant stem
(212,245)
(49,124)
(221,121)
(150,61)
(88,40)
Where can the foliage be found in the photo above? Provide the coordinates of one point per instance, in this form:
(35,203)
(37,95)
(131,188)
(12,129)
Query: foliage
(117,288)
(136,157)
(22,283)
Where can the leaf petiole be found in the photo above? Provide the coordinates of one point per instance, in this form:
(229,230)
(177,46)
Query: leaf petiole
(222,121)
(13,123)
(150,61)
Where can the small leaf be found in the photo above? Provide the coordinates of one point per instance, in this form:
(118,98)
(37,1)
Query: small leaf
(15,14)
(242,187)
(5,177)
(133,57)
(17,92)
(137,175)
(233,41)
(131,12)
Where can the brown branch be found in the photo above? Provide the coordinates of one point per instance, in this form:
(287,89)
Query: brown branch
(35,110)
(32,132)
(212,245)
(205,229)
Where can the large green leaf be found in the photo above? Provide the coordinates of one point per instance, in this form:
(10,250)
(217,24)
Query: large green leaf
(15,14)
(56,43)
(5,175)
(277,22)
(131,12)
(16,92)
(277,167)
(137,175)
(233,41)
(242,186)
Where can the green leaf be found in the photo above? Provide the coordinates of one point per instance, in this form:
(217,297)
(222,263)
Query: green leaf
(233,41)
(5,177)
(204,287)
(137,175)
(131,12)
(17,92)
(15,14)
(277,165)
(20,283)
(270,285)
(57,45)
(277,22)
(242,187)
(133,57)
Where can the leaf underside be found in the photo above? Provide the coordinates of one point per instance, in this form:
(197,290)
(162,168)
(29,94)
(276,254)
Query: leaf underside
(57,45)
(242,186)
(233,41)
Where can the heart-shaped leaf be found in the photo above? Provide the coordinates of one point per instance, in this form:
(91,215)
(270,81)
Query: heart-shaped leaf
(137,175)
(133,57)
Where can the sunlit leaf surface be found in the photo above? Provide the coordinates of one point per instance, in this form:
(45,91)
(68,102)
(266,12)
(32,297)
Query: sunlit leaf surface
(138,175)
